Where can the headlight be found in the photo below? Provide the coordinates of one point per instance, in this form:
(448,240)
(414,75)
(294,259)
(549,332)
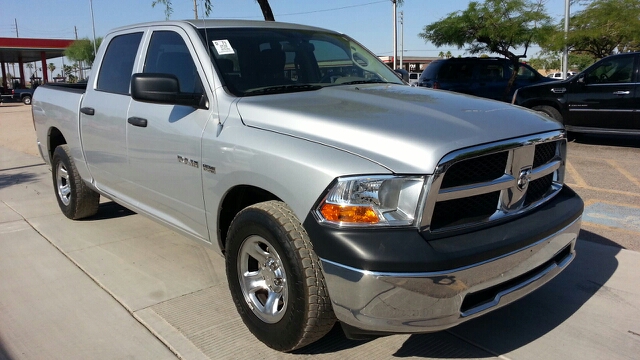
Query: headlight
(373,200)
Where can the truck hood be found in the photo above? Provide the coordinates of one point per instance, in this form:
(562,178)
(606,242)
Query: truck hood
(405,129)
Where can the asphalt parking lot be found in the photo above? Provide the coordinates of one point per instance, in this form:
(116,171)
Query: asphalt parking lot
(118,285)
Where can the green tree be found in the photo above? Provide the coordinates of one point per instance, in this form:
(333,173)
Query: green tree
(601,29)
(82,50)
(448,55)
(441,54)
(68,71)
(267,13)
(495,26)
(51,68)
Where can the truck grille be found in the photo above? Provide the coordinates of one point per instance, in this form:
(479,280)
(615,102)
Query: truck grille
(475,186)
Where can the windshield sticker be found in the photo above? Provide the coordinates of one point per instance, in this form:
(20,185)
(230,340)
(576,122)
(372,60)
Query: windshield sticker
(223,47)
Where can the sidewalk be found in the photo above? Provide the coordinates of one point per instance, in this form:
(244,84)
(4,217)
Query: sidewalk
(118,285)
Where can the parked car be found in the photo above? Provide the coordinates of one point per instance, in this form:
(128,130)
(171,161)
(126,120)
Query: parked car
(558,75)
(413,78)
(483,77)
(334,191)
(11,95)
(604,98)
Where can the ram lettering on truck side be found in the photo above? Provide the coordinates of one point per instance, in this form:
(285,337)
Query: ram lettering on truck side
(334,191)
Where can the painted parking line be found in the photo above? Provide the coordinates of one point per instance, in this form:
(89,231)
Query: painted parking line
(618,216)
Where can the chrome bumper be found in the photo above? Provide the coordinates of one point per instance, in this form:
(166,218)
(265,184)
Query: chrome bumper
(427,302)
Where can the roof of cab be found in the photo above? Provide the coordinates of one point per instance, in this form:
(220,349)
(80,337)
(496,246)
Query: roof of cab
(214,23)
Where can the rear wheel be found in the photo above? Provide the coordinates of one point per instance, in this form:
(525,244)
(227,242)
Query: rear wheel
(26,100)
(549,111)
(275,278)
(75,198)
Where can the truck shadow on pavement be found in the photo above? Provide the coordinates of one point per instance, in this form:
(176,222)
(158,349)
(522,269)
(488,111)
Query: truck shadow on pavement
(513,326)
(537,314)
(109,210)
(632,141)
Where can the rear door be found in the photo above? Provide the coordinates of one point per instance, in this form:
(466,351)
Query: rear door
(103,115)
(605,96)
(164,141)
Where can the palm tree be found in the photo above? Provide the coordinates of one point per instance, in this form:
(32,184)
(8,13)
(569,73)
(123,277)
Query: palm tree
(449,55)
(51,67)
(441,54)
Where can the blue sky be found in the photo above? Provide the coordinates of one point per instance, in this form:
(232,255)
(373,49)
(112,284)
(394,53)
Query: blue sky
(368,21)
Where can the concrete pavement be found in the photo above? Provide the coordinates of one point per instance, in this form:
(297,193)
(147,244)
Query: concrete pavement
(118,285)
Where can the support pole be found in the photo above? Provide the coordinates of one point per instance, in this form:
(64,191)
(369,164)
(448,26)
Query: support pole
(395,35)
(565,53)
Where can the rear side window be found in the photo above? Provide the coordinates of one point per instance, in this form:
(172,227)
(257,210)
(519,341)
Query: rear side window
(117,65)
(456,71)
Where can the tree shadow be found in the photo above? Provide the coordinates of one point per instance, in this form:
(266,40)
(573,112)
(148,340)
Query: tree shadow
(7,180)
(535,315)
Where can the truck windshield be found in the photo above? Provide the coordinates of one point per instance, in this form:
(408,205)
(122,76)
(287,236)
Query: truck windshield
(259,61)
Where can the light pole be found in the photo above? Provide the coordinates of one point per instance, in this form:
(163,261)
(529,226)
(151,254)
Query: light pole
(565,53)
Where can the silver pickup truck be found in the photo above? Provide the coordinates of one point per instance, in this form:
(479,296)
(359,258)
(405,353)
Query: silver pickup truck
(334,190)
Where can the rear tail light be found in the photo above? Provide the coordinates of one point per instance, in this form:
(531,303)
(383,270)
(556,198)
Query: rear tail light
(436,85)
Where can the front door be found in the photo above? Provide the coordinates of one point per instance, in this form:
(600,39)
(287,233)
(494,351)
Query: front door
(604,97)
(164,150)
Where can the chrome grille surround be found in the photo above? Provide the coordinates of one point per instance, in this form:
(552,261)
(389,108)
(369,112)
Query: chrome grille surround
(547,151)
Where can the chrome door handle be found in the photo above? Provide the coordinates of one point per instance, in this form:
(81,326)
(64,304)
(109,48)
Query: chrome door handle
(620,93)
(558,90)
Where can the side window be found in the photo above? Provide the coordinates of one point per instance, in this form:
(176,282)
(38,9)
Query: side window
(618,70)
(525,73)
(490,72)
(168,54)
(117,65)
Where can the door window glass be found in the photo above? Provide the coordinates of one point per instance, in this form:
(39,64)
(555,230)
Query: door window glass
(117,65)
(168,54)
(618,70)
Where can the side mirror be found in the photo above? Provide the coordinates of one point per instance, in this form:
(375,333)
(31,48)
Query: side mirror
(161,89)
(580,79)
(403,74)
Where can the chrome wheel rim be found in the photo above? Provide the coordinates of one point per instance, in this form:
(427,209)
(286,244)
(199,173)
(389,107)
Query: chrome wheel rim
(62,181)
(263,279)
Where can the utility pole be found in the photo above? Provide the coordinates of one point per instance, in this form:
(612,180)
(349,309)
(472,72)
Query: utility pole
(195,8)
(401,37)
(395,35)
(16,22)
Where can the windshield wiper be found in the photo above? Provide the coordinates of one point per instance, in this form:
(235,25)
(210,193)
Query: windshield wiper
(372,81)
(281,89)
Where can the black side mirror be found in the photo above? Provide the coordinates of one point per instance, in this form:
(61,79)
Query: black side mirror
(581,79)
(161,89)
(403,74)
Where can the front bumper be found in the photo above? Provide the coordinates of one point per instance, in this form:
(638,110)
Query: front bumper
(385,302)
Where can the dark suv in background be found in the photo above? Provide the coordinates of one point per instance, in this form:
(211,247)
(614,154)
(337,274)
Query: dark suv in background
(603,99)
(483,77)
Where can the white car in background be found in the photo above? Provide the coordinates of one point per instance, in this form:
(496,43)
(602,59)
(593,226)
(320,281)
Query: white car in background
(558,75)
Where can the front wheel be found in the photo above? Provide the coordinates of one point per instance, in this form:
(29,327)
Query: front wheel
(75,198)
(549,111)
(275,278)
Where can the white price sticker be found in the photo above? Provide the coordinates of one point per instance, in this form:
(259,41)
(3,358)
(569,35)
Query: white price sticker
(223,47)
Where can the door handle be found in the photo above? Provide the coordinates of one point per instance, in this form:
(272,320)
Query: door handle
(621,93)
(88,111)
(136,121)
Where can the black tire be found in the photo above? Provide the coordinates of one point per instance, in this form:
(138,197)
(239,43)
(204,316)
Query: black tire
(288,270)
(26,100)
(549,111)
(75,198)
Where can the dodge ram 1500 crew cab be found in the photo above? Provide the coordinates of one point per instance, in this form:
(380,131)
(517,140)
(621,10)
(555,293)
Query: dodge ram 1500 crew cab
(334,190)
